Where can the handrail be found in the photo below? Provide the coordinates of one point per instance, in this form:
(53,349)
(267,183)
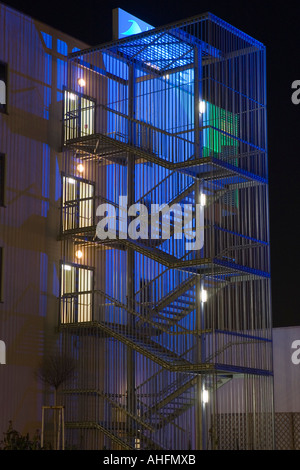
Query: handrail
(111,402)
(160,274)
(158,326)
(144,124)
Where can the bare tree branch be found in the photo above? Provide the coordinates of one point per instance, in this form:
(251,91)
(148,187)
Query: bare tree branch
(56,369)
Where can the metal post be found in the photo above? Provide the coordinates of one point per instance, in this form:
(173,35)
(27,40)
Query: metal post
(43,426)
(130,252)
(200,425)
(63,428)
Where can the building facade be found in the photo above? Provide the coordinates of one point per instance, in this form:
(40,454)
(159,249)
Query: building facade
(32,75)
(135,234)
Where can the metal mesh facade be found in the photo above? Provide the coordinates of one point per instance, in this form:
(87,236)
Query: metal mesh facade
(287,431)
(167,315)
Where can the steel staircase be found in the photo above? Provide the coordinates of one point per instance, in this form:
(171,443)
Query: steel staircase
(150,325)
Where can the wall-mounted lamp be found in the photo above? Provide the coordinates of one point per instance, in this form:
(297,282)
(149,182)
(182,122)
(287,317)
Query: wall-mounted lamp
(79,254)
(203,295)
(80,168)
(81,82)
(202,107)
(204,396)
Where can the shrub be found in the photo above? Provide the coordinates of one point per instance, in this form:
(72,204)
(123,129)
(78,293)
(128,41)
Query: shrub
(13,440)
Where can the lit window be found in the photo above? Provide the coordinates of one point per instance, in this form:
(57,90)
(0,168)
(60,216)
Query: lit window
(70,181)
(76,293)
(3,87)
(77,203)
(72,97)
(79,116)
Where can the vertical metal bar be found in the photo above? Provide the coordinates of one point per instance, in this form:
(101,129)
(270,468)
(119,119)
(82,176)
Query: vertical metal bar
(200,430)
(43,427)
(63,428)
(131,356)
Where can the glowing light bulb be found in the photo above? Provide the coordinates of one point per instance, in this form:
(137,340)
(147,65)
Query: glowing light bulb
(202,199)
(202,107)
(80,168)
(67,267)
(72,97)
(79,254)
(81,82)
(205,396)
(203,295)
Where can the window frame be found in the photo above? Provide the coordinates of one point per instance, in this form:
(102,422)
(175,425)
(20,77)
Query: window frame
(80,96)
(1,272)
(78,180)
(2,179)
(5,108)
(77,266)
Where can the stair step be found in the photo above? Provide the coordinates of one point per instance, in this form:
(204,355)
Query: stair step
(180,313)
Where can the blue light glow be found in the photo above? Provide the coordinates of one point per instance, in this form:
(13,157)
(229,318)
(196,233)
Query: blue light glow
(61,67)
(48,39)
(45,180)
(43,284)
(62,47)
(129,24)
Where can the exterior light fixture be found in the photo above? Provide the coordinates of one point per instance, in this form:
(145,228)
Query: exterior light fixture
(79,254)
(202,107)
(80,168)
(67,267)
(81,82)
(72,97)
(202,199)
(204,396)
(203,295)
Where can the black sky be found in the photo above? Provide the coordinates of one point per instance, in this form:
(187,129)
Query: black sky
(277,25)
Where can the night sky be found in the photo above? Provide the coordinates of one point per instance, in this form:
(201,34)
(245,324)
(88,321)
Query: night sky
(275,24)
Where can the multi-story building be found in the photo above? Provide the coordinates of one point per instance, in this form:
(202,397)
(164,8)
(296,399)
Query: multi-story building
(159,285)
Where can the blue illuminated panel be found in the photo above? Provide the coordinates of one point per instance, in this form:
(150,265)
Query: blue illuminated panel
(125,24)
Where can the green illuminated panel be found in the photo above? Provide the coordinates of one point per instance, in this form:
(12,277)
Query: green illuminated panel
(218,140)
